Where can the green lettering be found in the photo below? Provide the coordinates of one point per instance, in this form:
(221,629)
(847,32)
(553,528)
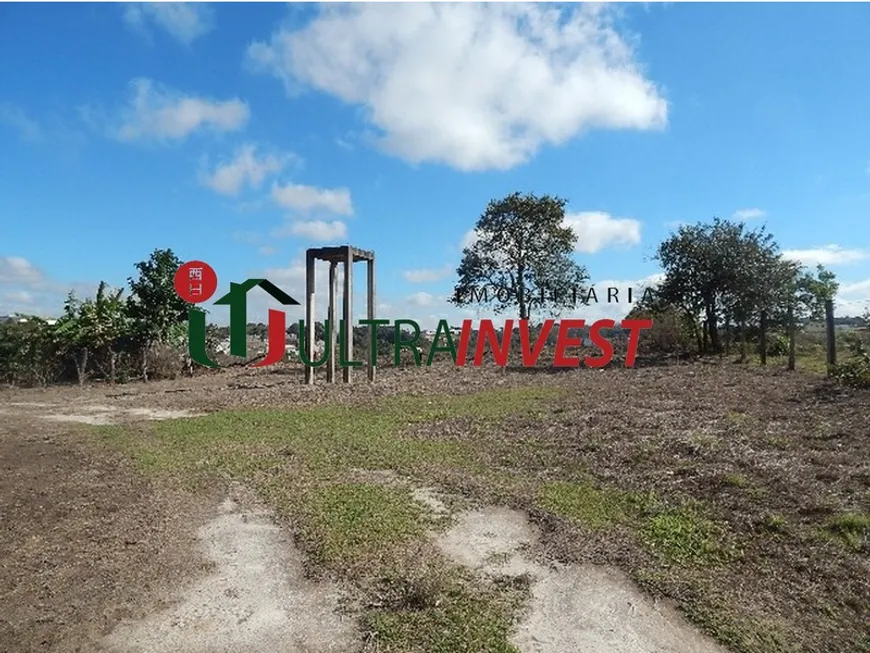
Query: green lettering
(444,327)
(373,332)
(399,344)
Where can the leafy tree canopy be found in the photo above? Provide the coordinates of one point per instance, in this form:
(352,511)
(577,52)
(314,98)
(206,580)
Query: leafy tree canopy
(522,258)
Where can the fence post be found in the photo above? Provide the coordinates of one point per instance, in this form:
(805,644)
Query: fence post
(831,334)
(763,337)
(791,336)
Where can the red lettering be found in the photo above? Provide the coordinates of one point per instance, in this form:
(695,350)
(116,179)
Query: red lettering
(531,357)
(563,342)
(601,342)
(634,337)
(277,339)
(500,350)
(464,338)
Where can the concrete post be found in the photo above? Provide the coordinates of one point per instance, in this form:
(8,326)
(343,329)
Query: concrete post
(370,265)
(333,346)
(308,337)
(348,311)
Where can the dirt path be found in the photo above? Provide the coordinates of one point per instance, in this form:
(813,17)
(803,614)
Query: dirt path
(85,541)
(254,599)
(587,608)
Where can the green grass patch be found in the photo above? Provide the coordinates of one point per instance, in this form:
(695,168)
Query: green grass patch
(355,522)
(851,528)
(442,613)
(737,480)
(584,503)
(683,535)
(326,439)
(299,460)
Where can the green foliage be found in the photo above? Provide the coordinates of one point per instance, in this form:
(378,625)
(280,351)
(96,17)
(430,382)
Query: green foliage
(29,352)
(523,247)
(153,305)
(855,371)
(777,345)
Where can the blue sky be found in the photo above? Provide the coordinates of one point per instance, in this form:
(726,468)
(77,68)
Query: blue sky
(243,134)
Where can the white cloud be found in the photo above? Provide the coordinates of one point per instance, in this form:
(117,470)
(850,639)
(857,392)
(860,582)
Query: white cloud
(596,230)
(428,275)
(853,299)
(16,118)
(745,215)
(861,288)
(18,297)
(318,230)
(15,270)
(25,288)
(474,86)
(245,168)
(827,255)
(158,112)
(421,299)
(302,198)
(184,21)
(469,238)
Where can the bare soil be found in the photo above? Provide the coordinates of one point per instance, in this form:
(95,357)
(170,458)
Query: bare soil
(87,543)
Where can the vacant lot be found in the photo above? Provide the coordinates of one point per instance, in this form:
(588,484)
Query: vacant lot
(738,494)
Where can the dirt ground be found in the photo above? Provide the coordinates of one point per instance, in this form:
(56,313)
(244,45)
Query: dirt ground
(87,542)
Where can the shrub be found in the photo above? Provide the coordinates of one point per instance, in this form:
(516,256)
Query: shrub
(777,345)
(855,371)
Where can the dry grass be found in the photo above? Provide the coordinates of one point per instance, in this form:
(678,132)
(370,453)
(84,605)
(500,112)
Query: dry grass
(741,493)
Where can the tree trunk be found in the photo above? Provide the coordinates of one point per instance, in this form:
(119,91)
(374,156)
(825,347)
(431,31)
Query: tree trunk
(144,362)
(728,333)
(742,341)
(113,365)
(81,361)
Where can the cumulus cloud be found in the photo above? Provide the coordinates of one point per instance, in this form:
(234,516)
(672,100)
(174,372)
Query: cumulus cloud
(826,255)
(26,288)
(853,298)
(298,197)
(246,167)
(596,230)
(317,230)
(160,113)
(745,215)
(184,21)
(428,275)
(473,86)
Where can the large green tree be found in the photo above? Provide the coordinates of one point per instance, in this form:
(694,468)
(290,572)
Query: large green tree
(722,272)
(157,312)
(522,258)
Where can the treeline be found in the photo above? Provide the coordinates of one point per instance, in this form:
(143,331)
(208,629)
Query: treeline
(108,336)
(727,286)
(723,286)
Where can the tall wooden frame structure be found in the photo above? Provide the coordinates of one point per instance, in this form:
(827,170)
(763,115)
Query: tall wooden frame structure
(346,255)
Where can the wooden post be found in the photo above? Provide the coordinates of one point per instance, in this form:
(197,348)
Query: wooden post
(831,333)
(371,314)
(348,310)
(330,370)
(791,336)
(763,338)
(307,339)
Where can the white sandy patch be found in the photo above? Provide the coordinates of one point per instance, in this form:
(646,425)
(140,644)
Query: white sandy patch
(255,600)
(585,608)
